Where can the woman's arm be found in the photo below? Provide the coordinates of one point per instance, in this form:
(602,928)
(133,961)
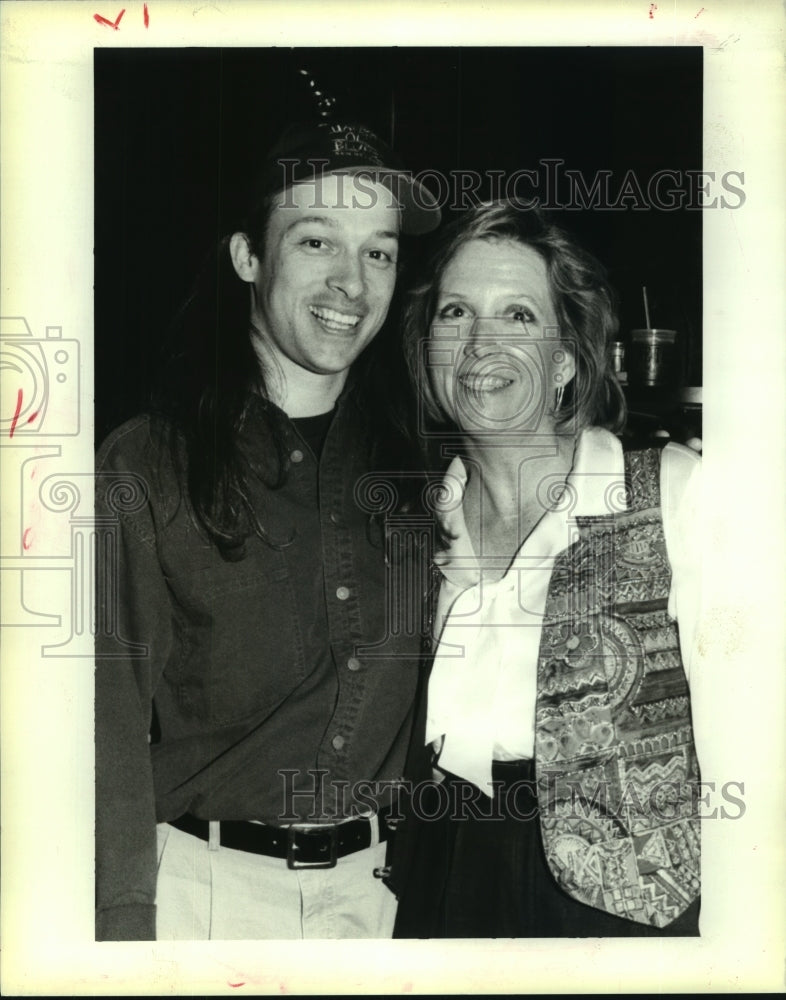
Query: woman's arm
(680,480)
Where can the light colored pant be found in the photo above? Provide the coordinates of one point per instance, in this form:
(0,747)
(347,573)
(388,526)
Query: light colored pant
(222,894)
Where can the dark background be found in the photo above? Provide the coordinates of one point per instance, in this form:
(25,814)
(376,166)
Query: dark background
(178,132)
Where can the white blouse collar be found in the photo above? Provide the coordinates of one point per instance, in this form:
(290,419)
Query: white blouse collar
(595,486)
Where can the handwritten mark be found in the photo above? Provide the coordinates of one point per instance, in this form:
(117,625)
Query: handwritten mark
(700,12)
(235,985)
(16,413)
(147,25)
(26,543)
(653,8)
(111,24)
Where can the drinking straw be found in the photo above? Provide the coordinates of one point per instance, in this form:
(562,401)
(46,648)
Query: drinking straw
(646,306)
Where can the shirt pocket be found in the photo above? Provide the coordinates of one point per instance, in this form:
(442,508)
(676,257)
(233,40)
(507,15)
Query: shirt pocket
(239,645)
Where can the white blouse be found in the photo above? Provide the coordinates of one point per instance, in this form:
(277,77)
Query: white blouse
(482,690)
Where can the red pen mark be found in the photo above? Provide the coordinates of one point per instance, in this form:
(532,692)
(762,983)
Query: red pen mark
(700,12)
(235,985)
(111,24)
(26,543)
(32,416)
(653,8)
(16,414)
(147,25)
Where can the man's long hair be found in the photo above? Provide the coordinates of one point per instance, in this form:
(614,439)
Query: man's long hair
(210,378)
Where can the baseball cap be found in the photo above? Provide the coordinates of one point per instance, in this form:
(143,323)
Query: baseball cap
(305,151)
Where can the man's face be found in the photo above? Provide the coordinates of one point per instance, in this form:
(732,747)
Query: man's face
(324,284)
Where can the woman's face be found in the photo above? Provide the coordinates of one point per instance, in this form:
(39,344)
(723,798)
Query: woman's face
(495,355)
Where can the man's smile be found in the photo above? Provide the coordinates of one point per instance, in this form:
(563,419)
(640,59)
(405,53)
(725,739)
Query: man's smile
(333,320)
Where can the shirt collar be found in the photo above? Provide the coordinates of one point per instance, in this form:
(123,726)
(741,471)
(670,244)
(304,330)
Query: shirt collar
(598,474)
(596,482)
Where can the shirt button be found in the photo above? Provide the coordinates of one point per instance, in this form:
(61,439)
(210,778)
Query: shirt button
(342,593)
(353,663)
(338,742)
(297,455)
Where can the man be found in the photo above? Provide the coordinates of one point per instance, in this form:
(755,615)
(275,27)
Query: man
(253,707)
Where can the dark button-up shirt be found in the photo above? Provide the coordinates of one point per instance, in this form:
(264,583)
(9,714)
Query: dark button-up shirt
(266,688)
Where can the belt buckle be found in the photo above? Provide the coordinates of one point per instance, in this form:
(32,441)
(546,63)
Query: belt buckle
(331,832)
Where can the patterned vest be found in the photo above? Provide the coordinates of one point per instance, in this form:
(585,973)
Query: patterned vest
(615,761)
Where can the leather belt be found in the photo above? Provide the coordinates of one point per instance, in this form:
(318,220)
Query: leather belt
(303,847)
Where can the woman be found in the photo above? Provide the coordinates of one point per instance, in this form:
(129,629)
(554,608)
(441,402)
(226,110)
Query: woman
(557,717)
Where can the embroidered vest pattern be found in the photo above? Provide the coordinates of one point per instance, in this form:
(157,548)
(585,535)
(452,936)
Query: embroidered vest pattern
(615,760)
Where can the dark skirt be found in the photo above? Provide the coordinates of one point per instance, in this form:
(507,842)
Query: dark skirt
(479,870)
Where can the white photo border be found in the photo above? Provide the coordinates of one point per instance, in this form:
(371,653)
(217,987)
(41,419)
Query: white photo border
(47,729)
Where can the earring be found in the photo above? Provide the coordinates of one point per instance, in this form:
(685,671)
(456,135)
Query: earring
(560,392)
